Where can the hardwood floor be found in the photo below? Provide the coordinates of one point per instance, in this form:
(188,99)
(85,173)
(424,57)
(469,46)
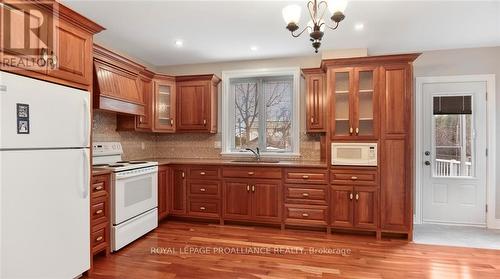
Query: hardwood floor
(163,254)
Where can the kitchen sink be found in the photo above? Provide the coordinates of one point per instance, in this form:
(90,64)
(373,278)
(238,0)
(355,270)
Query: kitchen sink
(262,161)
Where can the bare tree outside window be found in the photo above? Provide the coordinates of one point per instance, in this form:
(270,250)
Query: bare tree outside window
(263,113)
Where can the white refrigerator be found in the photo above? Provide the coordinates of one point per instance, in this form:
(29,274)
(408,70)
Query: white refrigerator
(44,179)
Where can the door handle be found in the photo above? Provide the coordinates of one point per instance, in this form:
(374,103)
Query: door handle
(357,196)
(357,131)
(350,196)
(86,164)
(248,188)
(427,163)
(86,119)
(350,130)
(253,188)
(312,120)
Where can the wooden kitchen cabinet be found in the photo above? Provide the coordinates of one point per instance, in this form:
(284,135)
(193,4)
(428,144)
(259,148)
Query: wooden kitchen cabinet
(253,200)
(354,108)
(100,215)
(164,104)
(197,103)
(163,192)
(178,191)
(59,51)
(315,100)
(354,207)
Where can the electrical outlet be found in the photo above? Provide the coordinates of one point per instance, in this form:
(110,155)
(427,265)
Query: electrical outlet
(217,144)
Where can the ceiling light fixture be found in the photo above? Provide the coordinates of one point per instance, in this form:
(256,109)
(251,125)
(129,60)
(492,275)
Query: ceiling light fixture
(316,27)
(359,26)
(254,48)
(179,43)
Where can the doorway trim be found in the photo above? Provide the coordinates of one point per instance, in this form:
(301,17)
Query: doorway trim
(491,221)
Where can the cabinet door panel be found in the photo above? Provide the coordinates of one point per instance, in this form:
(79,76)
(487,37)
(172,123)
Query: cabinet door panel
(237,203)
(192,107)
(342,99)
(145,121)
(163,185)
(395,201)
(266,201)
(178,191)
(396,100)
(71,57)
(365,102)
(164,106)
(342,206)
(316,103)
(366,207)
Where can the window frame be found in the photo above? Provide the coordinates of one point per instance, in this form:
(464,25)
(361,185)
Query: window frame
(228,109)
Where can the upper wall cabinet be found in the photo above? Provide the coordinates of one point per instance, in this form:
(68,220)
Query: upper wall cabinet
(197,103)
(315,100)
(116,83)
(164,104)
(59,50)
(354,102)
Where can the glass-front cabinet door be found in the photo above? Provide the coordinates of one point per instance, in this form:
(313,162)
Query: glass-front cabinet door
(354,103)
(164,105)
(365,102)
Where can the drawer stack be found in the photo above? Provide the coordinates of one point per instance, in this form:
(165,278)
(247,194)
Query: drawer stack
(306,197)
(204,192)
(99,214)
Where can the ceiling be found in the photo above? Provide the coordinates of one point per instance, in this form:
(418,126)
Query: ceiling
(216,31)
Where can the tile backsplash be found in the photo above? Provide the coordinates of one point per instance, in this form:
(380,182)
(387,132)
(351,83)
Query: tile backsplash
(138,145)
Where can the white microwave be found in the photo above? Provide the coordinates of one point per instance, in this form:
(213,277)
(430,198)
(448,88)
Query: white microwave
(354,154)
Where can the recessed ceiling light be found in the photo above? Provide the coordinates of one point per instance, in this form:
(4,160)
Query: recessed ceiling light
(359,26)
(179,43)
(254,48)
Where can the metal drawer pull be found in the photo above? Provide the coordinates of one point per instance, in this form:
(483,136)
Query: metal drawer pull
(312,119)
(305,194)
(99,238)
(202,173)
(171,122)
(204,122)
(357,196)
(350,130)
(202,208)
(202,189)
(350,196)
(305,215)
(253,188)
(305,176)
(251,173)
(357,131)
(99,188)
(99,211)
(354,177)
(248,188)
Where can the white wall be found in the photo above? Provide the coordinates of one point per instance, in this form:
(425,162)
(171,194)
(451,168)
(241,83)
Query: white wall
(466,62)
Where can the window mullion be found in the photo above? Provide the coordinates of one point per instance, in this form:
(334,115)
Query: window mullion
(262,115)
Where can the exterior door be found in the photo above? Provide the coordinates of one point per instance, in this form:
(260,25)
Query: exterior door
(454,171)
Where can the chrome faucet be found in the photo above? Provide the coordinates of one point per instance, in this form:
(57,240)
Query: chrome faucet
(255,152)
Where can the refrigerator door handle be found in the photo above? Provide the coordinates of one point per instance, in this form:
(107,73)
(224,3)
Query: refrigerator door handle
(86,122)
(85,186)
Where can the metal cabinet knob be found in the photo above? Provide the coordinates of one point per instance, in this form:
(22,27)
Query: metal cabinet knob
(305,194)
(98,211)
(350,196)
(202,173)
(354,178)
(99,238)
(202,208)
(202,189)
(305,215)
(427,163)
(98,188)
(251,173)
(305,176)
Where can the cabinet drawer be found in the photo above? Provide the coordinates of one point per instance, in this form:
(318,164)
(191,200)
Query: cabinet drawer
(99,239)
(204,173)
(295,214)
(99,211)
(354,177)
(205,188)
(100,185)
(306,195)
(252,172)
(206,208)
(306,176)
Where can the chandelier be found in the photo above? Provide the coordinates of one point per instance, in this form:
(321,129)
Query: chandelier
(317,25)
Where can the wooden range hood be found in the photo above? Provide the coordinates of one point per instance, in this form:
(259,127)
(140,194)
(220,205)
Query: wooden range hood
(116,83)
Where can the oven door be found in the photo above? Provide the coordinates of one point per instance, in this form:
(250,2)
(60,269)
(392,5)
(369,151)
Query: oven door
(134,194)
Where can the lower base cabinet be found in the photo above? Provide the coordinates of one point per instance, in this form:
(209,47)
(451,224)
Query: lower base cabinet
(100,217)
(354,207)
(252,200)
(163,192)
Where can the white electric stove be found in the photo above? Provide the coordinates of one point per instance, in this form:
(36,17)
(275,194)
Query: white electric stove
(134,193)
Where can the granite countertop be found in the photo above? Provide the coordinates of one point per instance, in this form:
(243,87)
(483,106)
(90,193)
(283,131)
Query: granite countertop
(230,162)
